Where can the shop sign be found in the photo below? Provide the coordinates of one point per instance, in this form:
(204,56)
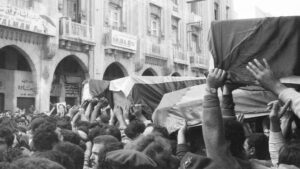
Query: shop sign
(72,90)
(26,20)
(24,84)
(123,40)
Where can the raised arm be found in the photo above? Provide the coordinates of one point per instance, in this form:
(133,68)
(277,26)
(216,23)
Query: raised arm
(276,140)
(217,147)
(264,75)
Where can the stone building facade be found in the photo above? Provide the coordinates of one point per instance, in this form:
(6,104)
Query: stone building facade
(49,47)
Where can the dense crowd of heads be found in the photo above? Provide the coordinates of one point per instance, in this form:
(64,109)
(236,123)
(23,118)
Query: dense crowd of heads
(96,136)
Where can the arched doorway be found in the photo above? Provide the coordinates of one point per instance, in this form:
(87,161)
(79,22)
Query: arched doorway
(176,74)
(67,81)
(18,87)
(149,72)
(114,71)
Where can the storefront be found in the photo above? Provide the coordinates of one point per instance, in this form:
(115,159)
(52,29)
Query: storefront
(67,81)
(17,85)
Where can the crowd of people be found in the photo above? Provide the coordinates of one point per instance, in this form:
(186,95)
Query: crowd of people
(95,136)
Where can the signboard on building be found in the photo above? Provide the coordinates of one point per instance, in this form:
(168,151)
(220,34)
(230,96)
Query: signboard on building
(72,90)
(24,84)
(26,20)
(123,40)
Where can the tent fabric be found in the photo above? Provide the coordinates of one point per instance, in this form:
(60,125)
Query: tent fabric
(186,104)
(236,42)
(126,84)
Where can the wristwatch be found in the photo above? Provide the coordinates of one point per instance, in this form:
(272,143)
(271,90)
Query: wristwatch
(211,90)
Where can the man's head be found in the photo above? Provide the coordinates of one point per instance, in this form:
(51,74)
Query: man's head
(134,129)
(257,146)
(73,151)
(234,133)
(157,148)
(102,145)
(289,154)
(45,137)
(70,136)
(105,130)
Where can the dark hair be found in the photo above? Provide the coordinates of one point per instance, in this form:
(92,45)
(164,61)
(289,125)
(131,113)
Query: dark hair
(45,137)
(234,133)
(12,154)
(105,130)
(260,142)
(70,136)
(162,131)
(7,134)
(57,156)
(290,154)
(73,151)
(134,129)
(64,123)
(157,148)
(110,144)
(35,163)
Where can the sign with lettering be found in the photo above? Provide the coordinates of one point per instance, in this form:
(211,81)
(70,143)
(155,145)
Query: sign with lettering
(24,84)
(72,89)
(26,20)
(123,40)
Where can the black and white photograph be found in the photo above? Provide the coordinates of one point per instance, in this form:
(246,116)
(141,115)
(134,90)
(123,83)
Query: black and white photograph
(149,84)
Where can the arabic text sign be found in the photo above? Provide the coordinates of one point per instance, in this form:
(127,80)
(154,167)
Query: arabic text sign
(24,20)
(123,40)
(72,90)
(24,84)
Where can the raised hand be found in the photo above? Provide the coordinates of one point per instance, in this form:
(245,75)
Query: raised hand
(265,76)
(216,78)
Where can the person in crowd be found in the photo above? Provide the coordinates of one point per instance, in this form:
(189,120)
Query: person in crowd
(134,129)
(45,137)
(102,145)
(70,136)
(6,140)
(157,148)
(73,151)
(224,143)
(257,148)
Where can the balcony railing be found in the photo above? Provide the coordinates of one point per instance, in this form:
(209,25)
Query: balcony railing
(179,56)
(77,32)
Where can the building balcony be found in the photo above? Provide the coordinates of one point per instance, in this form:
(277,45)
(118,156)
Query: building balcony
(120,42)
(198,61)
(71,33)
(178,56)
(195,20)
